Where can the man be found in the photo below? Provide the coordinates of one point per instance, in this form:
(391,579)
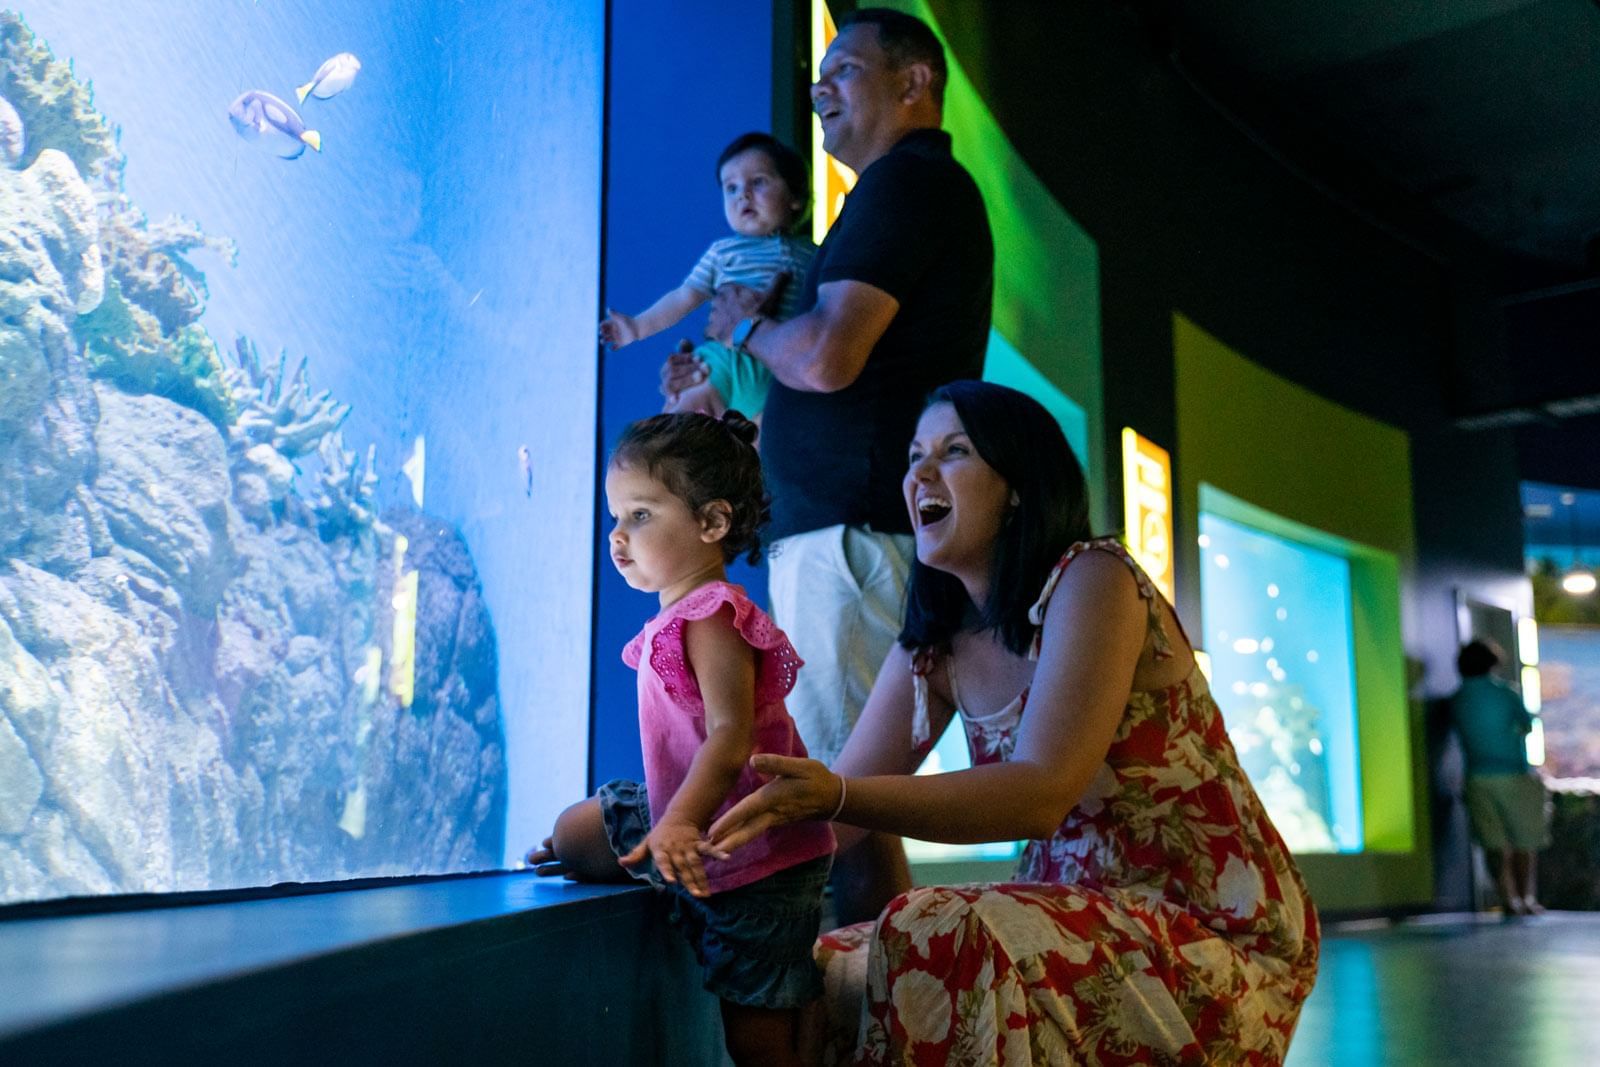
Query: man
(899,301)
(1505,798)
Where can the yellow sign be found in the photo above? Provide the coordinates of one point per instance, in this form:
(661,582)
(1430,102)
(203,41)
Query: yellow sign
(830,179)
(1147,507)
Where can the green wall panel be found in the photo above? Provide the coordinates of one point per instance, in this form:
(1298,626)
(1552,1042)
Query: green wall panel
(1257,449)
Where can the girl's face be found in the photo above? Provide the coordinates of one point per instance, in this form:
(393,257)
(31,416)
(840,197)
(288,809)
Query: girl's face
(957,501)
(755,199)
(657,544)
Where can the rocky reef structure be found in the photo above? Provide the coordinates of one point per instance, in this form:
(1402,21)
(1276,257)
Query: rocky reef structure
(216,669)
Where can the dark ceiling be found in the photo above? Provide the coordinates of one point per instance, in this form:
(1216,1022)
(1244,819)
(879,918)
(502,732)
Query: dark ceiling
(1485,111)
(1469,129)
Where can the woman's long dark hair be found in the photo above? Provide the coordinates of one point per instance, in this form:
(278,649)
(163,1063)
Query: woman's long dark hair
(1015,435)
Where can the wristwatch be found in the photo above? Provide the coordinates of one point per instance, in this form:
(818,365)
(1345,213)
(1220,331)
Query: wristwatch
(741,332)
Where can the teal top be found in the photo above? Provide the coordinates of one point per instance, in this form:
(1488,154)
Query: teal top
(1492,722)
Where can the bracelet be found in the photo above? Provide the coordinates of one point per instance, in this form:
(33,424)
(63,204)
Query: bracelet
(843,792)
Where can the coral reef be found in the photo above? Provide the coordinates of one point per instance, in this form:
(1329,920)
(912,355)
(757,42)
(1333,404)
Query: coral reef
(143,336)
(13,138)
(56,109)
(343,504)
(293,420)
(201,677)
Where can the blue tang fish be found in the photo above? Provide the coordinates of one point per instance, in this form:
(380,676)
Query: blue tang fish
(332,78)
(265,120)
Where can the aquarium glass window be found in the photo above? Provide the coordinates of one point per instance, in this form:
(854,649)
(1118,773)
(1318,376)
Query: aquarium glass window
(297,417)
(952,753)
(1277,624)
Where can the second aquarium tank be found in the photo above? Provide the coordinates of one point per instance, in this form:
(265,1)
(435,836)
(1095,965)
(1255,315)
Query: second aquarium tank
(297,410)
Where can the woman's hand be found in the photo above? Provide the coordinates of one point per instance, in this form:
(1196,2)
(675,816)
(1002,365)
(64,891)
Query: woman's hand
(800,789)
(675,846)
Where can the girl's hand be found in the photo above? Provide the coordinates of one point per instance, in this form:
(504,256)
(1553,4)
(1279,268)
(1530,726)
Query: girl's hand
(800,789)
(675,846)
(618,329)
(543,860)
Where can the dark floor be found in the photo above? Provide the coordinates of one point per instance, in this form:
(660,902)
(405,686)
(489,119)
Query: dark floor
(1451,989)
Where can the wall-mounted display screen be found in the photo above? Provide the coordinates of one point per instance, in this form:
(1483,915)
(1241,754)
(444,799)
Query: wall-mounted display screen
(297,386)
(1277,624)
(1571,700)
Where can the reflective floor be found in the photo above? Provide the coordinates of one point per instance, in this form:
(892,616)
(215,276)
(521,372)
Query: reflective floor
(1454,989)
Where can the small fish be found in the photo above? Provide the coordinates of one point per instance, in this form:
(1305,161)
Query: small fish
(332,78)
(525,464)
(263,119)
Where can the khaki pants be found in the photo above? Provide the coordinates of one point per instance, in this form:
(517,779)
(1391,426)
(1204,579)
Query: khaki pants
(1508,810)
(839,593)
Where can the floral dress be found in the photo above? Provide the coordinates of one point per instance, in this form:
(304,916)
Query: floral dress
(1163,922)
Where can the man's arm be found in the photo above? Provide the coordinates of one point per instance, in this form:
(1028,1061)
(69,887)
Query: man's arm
(825,349)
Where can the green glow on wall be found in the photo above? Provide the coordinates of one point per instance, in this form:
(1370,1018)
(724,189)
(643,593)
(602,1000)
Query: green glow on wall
(1257,449)
(1047,273)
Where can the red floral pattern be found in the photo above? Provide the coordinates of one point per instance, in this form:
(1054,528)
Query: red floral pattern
(1163,922)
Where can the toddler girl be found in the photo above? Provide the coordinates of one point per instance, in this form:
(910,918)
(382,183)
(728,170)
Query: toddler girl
(764,198)
(686,493)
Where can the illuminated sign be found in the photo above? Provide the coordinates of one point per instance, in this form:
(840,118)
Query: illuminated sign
(1147,507)
(830,179)
(1528,641)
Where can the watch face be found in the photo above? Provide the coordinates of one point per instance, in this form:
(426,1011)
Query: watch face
(741,332)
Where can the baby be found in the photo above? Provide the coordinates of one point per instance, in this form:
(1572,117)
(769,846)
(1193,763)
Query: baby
(764,197)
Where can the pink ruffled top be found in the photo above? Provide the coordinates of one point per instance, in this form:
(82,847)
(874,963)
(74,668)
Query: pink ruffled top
(672,725)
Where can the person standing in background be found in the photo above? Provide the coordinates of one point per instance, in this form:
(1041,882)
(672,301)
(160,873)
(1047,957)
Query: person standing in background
(1505,798)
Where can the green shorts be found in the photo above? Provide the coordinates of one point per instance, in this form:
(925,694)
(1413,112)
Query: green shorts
(740,378)
(1508,810)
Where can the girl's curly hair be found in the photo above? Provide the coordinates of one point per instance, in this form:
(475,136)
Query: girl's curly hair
(700,459)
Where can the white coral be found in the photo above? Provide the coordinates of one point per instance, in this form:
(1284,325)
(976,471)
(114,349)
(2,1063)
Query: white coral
(344,502)
(292,420)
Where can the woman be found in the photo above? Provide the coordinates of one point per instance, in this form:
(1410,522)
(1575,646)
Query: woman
(1157,916)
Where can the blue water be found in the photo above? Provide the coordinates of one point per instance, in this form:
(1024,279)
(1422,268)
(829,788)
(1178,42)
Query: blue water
(1277,626)
(437,266)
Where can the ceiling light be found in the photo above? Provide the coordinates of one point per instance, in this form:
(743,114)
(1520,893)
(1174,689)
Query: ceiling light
(1578,582)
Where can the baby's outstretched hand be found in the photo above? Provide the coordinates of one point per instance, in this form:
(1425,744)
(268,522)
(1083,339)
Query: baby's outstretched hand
(675,846)
(618,329)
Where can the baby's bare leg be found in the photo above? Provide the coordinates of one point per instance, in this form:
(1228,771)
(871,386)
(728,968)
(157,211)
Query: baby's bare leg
(581,846)
(702,398)
(768,1037)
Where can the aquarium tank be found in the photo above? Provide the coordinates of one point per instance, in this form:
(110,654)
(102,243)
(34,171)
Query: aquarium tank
(1276,619)
(297,437)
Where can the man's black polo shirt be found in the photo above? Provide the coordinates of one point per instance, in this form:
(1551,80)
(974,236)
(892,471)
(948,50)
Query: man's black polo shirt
(914,226)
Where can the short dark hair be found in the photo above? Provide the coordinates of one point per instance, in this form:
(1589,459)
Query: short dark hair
(905,39)
(1014,434)
(699,459)
(1476,659)
(785,160)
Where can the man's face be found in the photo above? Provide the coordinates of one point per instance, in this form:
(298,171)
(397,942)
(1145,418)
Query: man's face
(857,97)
